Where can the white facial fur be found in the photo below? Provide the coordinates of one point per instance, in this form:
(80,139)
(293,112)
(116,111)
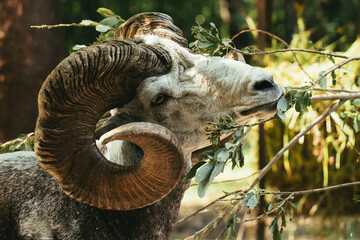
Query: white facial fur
(199,89)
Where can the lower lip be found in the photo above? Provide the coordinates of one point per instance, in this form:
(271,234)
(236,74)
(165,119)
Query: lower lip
(266,107)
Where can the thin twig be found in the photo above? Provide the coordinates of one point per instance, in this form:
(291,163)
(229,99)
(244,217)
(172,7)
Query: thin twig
(200,210)
(267,168)
(259,122)
(292,50)
(269,212)
(327,89)
(230,180)
(341,96)
(65,25)
(333,68)
(316,190)
(205,230)
(279,39)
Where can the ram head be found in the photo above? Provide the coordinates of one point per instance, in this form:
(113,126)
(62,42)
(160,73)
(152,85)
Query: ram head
(160,95)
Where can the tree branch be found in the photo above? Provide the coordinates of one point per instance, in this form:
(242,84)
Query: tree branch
(292,50)
(267,168)
(333,68)
(327,90)
(269,212)
(231,180)
(279,39)
(316,190)
(64,25)
(341,96)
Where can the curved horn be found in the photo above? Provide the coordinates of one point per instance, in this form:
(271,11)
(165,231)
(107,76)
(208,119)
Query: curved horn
(71,101)
(151,22)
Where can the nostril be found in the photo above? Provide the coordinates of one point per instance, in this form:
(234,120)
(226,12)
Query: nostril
(263,85)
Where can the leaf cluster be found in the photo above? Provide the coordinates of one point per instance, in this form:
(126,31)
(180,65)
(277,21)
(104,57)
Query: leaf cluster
(274,226)
(211,163)
(298,98)
(353,114)
(279,206)
(106,27)
(323,81)
(24,142)
(209,42)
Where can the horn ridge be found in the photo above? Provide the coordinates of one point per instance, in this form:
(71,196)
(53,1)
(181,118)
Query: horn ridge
(151,23)
(71,101)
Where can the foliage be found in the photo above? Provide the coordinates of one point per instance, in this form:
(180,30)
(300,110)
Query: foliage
(297,102)
(332,141)
(106,27)
(218,158)
(24,142)
(183,13)
(209,42)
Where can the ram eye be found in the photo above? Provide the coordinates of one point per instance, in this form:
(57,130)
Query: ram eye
(159,99)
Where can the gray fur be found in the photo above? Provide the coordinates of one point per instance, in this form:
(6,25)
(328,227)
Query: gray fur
(45,212)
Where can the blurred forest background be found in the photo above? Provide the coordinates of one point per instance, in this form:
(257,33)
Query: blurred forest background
(323,158)
(28,55)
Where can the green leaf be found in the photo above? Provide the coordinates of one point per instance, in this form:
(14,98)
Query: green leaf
(322,82)
(229,145)
(87,22)
(281,115)
(227,42)
(282,104)
(345,114)
(205,154)
(106,12)
(357,124)
(333,76)
(302,100)
(113,22)
(204,172)
(102,28)
(223,156)
(219,167)
(274,224)
(283,220)
(250,201)
(330,57)
(238,133)
(203,186)
(193,170)
(78,47)
(4,148)
(356,102)
(357,81)
(242,158)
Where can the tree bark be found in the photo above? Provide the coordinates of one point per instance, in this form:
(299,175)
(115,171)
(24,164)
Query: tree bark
(264,10)
(26,57)
(263,159)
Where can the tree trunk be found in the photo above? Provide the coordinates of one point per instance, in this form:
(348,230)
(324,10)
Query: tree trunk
(26,57)
(264,10)
(262,163)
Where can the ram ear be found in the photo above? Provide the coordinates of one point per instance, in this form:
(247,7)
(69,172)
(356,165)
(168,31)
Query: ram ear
(234,55)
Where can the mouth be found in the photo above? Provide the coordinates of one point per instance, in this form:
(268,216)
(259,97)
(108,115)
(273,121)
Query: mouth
(267,107)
